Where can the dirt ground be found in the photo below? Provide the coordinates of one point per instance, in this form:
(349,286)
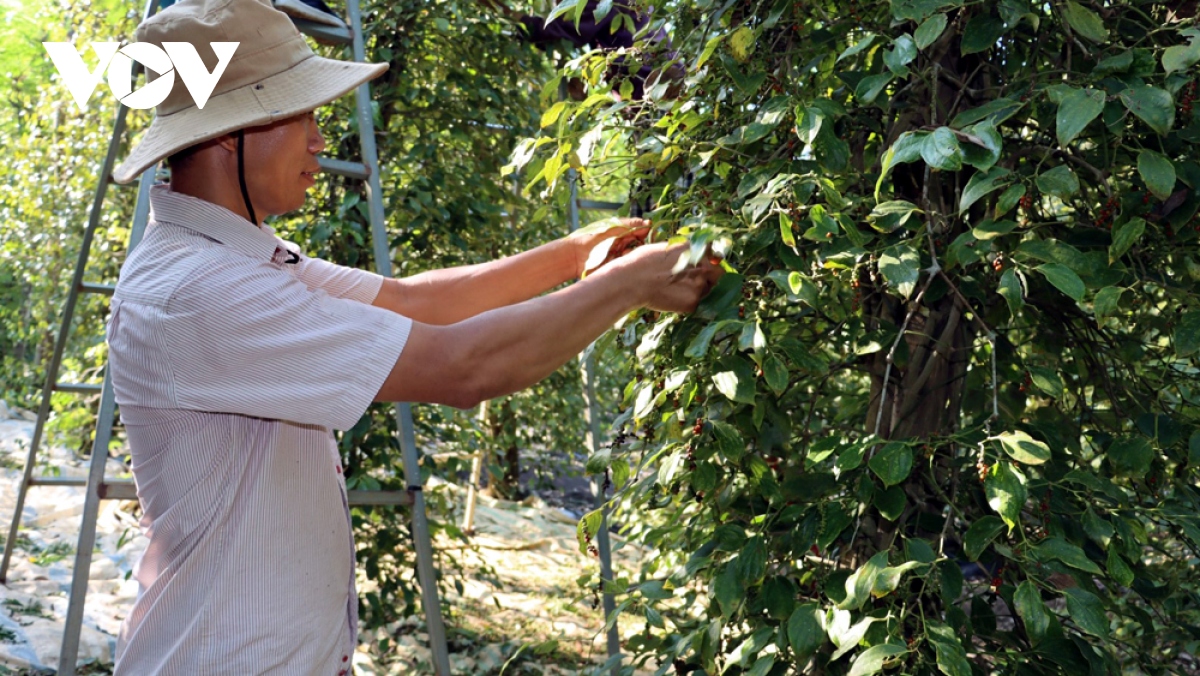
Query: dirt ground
(521,610)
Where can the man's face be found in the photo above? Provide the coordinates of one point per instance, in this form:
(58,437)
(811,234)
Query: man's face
(281,162)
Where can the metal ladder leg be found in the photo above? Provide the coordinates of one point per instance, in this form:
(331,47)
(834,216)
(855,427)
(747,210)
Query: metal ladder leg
(64,332)
(69,654)
(594,437)
(426,572)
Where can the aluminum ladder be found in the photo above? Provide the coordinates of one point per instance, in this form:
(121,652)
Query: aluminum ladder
(98,487)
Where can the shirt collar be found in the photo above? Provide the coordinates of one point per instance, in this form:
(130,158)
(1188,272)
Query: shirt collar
(211,220)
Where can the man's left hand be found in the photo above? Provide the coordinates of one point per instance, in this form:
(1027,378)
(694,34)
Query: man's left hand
(627,234)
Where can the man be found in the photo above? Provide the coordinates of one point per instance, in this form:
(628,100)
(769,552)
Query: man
(233,357)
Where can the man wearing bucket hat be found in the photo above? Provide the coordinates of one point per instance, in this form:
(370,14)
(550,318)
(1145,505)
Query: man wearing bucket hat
(233,356)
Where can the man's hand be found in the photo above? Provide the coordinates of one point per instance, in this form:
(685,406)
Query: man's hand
(652,270)
(626,234)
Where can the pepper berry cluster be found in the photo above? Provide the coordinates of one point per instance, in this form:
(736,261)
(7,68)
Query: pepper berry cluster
(1185,101)
(1105,219)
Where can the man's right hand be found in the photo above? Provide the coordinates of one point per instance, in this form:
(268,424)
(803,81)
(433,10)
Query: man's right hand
(650,271)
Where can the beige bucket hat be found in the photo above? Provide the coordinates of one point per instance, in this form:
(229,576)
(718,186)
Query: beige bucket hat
(272,75)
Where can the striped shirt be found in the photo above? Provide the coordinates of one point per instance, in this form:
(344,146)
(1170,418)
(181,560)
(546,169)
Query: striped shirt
(231,366)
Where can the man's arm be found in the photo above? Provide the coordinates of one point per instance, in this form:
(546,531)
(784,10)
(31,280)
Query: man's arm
(510,348)
(442,297)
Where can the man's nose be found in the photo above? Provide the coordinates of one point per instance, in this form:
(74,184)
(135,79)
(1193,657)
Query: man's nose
(316,140)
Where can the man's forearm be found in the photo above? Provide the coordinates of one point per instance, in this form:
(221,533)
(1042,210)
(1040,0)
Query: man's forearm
(510,348)
(447,296)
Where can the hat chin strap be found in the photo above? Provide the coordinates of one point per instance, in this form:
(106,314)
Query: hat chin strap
(241,153)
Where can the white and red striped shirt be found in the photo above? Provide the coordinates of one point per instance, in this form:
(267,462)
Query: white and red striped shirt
(231,367)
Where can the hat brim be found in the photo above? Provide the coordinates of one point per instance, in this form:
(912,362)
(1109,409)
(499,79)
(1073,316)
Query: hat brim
(309,84)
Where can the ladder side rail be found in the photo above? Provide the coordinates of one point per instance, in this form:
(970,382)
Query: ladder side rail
(69,653)
(426,573)
(64,332)
(594,440)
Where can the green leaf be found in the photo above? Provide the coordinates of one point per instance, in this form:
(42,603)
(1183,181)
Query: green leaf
(551,115)
(857,47)
(1064,279)
(1124,237)
(901,267)
(1181,57)
(804,631)
(890,503)
(1131,456)
(735,380)
(753,559)
(930,30)
(1106,301)
(903,51)
(862,581)
(951,657)
(776,374)
(1097,528)
(870,87)
(980,535)
(984,150)
(981,184)
(808,123)
(917,10)
(996,112)
(1086,610)
(892,463)
(873,659)
(1048,381)
(1153,105)
(1058,549)
(1033,611)
(889,578)
(1085,22)
(1010,288)
(587,528)
(729,440)
(1187,334)
(1059,181)
(785,229)
(1158,172)
(1009,199)
(1118,569)
(762,666)
(699,345)
(941,150)
(1004,486)
(1076,111)
(1024,448)
(727,587)
(981,33)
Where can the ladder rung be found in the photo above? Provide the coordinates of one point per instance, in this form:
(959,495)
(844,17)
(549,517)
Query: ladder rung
(320,31)
(601,206)
(106,289)
(343,168)
(360,498)
(78,388)
(122,489)
(119,489)
(56,481)
(125,489)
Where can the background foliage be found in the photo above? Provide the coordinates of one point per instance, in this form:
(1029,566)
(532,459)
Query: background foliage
(942,417)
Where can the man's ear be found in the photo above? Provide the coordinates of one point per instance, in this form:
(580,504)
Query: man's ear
(226,142)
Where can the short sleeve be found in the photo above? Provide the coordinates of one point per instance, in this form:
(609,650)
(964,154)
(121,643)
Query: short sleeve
(338,281)
(248,338)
